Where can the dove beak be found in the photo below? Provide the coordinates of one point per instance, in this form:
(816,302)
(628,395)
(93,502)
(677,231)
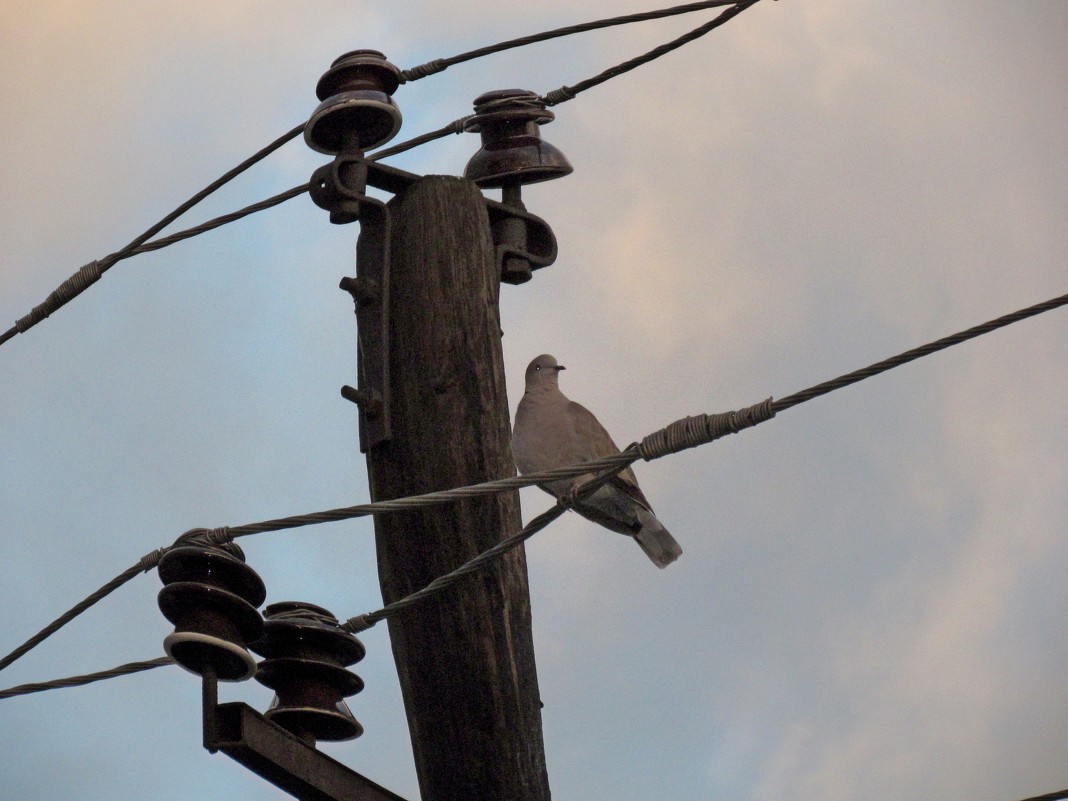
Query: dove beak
(559,367)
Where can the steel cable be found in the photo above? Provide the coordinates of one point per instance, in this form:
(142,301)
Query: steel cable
(366,620)
(147,562)
(90,273)
(441,64)
(88,678)
(686,433)
(78,283)
(564,93)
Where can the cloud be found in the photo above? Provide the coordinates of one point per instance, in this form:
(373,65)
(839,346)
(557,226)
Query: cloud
(872,590)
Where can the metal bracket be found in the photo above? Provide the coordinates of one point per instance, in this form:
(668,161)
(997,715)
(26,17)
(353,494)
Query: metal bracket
(283,759)
(523,241)
(340,187)
(517,234)
(370,292)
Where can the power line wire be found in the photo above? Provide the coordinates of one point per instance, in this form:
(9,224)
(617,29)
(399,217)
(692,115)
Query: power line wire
(355,624)
(88,678)
(91,272)
(686,433)
(916,353)
(441,64)
(130,668)
(210,188)
(148,561)
(454,127)
(204,227)
(441,583)
(564,93)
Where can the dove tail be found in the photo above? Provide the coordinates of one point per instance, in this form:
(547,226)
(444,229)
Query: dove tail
(656,541)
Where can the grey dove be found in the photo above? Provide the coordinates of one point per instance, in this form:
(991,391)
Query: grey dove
(551,431)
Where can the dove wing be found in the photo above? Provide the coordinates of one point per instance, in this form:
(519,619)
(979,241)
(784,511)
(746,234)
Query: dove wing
(594,442)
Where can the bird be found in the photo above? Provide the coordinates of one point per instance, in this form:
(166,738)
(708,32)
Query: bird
(552,431)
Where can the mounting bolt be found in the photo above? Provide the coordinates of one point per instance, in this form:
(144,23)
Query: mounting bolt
(364,291)
(369,401)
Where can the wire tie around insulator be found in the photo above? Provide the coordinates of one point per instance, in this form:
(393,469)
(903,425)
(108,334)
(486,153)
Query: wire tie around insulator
(303,613)
(559,96)
(689,432)
(151,559)
(69,289)
(510,101)
(219,536)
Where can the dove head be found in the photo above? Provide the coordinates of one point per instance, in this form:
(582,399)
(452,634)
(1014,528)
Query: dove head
(542,373)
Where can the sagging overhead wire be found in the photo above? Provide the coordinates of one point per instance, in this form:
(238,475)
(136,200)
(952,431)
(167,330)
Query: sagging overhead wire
(683,434)
(90,273)
(441,64)
(354,624)
(88,678)
(138,667)
(441,583)
(146,563)
(558,96)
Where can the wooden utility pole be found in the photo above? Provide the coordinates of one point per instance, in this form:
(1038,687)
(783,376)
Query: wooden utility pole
(465,658)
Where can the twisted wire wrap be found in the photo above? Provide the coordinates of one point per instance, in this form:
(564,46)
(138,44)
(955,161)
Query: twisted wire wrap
(689,432)
(220,539)
(440,64)
(219,536)
(532,103)
(512,102)
(457,126)
(64,293)
(557,96)
(568,92)
(423,70)
(359,623)
(205,536)
(151,559)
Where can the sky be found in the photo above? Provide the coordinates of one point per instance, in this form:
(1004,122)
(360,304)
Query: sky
(871,600)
